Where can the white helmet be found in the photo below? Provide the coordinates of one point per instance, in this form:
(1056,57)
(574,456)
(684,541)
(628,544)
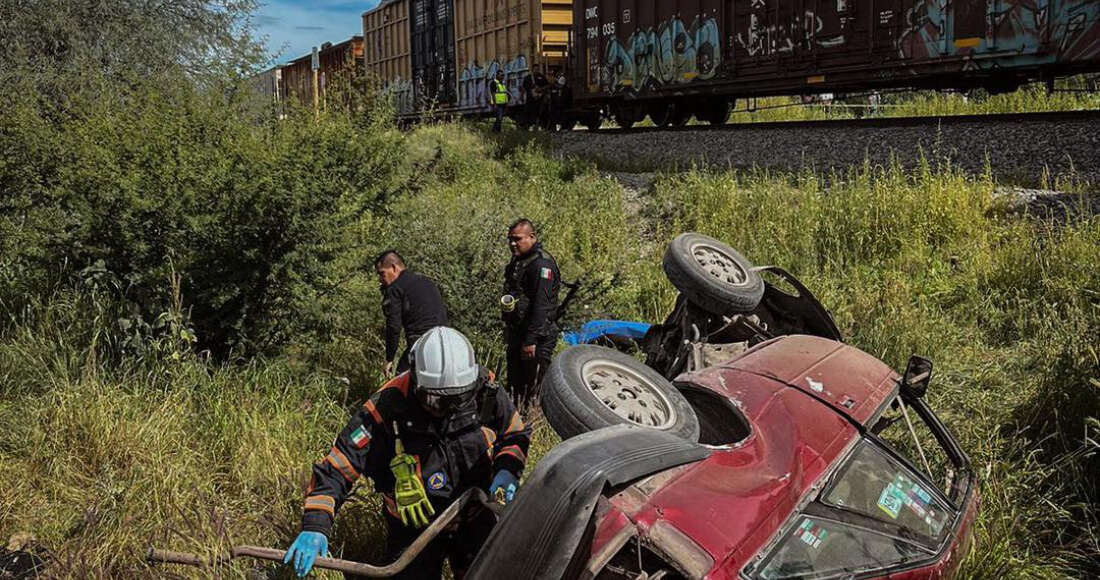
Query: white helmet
(443,360)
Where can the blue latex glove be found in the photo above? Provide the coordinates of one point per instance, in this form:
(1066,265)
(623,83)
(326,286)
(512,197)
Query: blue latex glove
(503,488)
(305,549)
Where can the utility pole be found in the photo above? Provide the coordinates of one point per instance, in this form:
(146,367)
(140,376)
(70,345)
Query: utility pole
(315,62)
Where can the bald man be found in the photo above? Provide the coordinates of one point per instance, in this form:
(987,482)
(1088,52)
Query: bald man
(411,302)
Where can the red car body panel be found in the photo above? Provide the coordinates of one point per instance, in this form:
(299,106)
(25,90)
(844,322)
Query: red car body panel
(733,502)
(853,382)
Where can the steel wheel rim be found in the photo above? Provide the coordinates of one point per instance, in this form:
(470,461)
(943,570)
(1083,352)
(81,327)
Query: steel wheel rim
(718,264)
(628,394)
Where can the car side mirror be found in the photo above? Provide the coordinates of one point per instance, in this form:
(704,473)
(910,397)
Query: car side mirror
(918,373)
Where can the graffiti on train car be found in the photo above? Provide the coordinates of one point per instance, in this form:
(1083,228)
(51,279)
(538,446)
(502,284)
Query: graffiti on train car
(674,53)
(1052,30)
(473,82)
(807,30)
(400,94)
(670,54)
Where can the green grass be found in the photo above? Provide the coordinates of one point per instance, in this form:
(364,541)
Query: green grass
(106,451)
(1072,95)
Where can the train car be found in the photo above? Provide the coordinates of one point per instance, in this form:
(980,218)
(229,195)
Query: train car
(386,53)
(674,59)
(267,84)
(455,46)
(339,63)
(519,36)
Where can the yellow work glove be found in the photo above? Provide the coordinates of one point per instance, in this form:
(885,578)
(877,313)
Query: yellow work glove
(412,501)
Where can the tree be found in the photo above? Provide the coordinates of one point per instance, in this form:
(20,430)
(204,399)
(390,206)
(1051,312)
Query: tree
(65,45)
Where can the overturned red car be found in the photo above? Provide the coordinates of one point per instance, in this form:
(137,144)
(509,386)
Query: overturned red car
(793,455)
(752,443)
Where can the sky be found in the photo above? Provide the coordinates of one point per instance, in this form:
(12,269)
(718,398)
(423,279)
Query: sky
(293,28)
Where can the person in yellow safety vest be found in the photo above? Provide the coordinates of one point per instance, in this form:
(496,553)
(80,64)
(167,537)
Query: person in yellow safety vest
(499,93)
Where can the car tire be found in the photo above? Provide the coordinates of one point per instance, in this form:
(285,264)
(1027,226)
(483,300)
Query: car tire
(712,275)
(630,393)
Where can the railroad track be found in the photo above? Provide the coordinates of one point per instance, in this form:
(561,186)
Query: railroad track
(1020,148)
(879,122)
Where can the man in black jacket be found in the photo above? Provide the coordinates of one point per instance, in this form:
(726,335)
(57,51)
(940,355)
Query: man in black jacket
(411,302)
(531,285)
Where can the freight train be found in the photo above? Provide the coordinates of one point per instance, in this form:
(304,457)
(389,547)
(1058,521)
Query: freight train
(672,60)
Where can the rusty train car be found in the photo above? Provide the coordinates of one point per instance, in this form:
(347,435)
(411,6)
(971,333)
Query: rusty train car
(339,65)
(438,55)
(672,60)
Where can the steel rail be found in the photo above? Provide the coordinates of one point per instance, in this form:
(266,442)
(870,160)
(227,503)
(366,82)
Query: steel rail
(877,122)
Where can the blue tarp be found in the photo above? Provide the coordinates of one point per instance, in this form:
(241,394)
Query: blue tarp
(597,328)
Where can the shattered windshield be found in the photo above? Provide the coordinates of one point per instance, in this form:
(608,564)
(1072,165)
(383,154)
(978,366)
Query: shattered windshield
(820,548)
(875,485)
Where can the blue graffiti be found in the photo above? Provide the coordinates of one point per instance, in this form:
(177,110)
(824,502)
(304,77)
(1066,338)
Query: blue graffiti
(671,54)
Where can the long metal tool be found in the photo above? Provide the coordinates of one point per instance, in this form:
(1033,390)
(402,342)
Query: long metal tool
(470,496)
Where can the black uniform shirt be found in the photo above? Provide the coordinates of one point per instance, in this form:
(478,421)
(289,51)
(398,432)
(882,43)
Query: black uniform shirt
(534,280)
(413,303)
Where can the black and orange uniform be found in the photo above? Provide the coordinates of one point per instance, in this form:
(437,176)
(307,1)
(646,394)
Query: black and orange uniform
(533,279)
(454,453)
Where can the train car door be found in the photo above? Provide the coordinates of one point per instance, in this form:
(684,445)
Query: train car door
(433,52)
(887,22)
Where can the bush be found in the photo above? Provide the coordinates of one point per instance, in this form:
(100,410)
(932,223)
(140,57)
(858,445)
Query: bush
(257,215)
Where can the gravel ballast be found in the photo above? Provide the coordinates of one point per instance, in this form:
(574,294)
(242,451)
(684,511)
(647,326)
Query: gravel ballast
(1022,152)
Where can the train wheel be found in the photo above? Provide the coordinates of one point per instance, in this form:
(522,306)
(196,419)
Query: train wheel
(679,115)
(625,118)
(593,121)
(659,114)
(716,112)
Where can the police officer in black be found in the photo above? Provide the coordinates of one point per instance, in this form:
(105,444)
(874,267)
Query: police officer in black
(531,284)
(411,302)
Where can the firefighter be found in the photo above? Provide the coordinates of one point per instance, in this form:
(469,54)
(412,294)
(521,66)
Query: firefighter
(529,302)
(411,303)
(425,438)
(498,91)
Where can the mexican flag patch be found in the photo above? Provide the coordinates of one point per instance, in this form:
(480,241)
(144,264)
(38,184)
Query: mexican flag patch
(360,437)
(546,274)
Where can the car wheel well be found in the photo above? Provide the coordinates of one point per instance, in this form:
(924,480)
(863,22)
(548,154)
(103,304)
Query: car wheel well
(720,421)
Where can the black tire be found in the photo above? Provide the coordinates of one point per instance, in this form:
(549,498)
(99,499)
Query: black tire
(717,113)
(740,291)
(624,120)
(572,407)
(593,122)
(679,116)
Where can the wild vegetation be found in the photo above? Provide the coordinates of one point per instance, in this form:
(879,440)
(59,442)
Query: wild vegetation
(1071,94)
(187,312)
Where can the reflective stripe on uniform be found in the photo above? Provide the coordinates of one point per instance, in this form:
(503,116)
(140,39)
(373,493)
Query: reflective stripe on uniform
(490,437)
(516,424)
(500,93)
(321,503)
(341,463)
(514,451)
